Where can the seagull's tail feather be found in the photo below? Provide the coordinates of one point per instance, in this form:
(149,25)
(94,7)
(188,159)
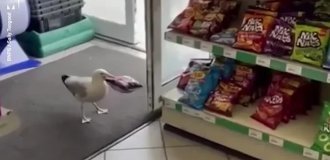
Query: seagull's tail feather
(64,77)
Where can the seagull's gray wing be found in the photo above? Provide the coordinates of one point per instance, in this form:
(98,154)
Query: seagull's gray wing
(78,85)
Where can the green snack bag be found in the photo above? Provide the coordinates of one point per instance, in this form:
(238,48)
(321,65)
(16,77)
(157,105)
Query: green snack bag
(322,141)
(310,44)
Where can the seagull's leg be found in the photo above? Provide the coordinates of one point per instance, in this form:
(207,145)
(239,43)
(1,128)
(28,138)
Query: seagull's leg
(99,109)
(84,119)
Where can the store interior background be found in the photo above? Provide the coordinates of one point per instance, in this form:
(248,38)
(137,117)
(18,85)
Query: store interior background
(174,57)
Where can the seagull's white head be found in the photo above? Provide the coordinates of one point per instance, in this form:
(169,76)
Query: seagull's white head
(104,74)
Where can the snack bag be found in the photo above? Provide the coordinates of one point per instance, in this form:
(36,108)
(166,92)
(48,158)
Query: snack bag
(124,84)
(326,64)
(202,81)
(184,21)
(252,35)
(280,40)
(270,110)
(221,103)
(207,25)
(245,77)
(322,140)
(272,5)
(322,10)
(227,67)
(185,76)
(288,104)
(227,37)
(310,44)
(224,99)
(291,17)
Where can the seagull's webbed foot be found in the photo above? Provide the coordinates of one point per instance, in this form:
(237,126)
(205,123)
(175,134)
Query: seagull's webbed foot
(100,110)
(86,120)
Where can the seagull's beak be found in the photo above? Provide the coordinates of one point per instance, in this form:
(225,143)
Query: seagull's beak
(108,76)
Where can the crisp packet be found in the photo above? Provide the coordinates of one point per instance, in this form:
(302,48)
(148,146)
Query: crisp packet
(270,111)
(124,84)
(184,21)
(310,44)
(202,81)
(185,76)
(227,37)
(253,32)
(280,39)
(322,140)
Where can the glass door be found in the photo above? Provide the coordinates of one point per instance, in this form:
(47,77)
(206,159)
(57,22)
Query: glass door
(113,18)
(166,60)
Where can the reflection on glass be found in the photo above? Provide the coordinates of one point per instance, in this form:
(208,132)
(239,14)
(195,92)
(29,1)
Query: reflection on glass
(109,10)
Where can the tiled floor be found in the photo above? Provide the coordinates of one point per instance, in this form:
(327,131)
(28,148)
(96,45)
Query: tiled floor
(154,143)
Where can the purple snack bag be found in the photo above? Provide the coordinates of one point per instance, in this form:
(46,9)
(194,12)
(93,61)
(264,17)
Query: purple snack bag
(124,84)
(280,40)
(291,17)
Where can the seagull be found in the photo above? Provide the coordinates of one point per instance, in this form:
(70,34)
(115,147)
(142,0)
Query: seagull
(89,90)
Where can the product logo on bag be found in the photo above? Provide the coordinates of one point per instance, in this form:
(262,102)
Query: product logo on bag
(308,39)
(326,127)
(253,25)
(281,33)
(290,20)
(276,99)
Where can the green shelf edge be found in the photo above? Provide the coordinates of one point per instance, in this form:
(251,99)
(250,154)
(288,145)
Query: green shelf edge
(221,122)
(310,72)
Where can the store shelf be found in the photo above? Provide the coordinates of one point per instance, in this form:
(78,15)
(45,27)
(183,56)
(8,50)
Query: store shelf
(278,64)
(286,136)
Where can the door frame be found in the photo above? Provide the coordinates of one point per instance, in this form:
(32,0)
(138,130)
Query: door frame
(154,37)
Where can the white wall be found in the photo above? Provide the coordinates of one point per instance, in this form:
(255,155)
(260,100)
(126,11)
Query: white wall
(175,58)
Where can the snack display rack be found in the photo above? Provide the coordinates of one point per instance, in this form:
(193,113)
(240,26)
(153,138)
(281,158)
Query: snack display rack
(293,141)
(274,63)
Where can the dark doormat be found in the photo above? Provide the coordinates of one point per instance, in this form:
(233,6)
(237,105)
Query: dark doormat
(51,127)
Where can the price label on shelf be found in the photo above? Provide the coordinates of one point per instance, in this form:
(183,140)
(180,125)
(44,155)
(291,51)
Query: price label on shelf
(276,141)
(191,112)
(168,104)
(263,61)
(208,47)
(325,157)
(230,53)
(294,69)
(209,118)
(311,154)
(188,42)
(255,134)
(170,37)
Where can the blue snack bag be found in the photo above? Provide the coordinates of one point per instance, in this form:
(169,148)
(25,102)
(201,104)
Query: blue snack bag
(203,80)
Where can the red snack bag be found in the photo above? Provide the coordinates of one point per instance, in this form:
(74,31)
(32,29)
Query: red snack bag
(184,21)
(245,77)
(300,99)
(253,32)
(221,103)
(184,79)
(288,104)
(224,98)
(270,111)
